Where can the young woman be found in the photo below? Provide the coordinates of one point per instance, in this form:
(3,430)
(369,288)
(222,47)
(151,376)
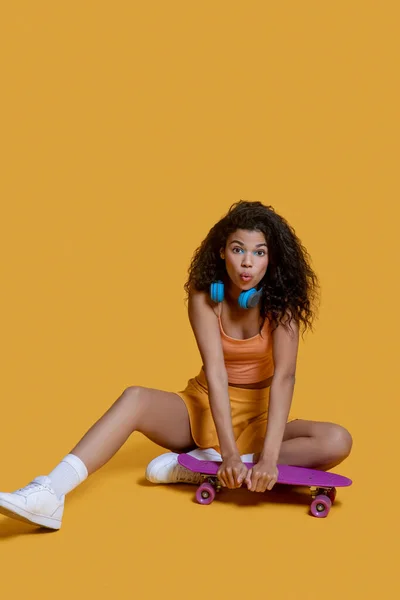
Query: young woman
(250,289)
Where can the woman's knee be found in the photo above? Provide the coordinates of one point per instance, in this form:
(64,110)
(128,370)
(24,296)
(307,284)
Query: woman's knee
(339,441)
(131,393)
(132,400)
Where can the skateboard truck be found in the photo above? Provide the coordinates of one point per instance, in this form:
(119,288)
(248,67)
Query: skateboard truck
(214,482)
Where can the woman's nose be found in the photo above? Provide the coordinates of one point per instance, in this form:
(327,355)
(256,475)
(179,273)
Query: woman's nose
(247,260)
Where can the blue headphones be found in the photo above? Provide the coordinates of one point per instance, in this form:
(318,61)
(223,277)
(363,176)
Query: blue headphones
(247,299)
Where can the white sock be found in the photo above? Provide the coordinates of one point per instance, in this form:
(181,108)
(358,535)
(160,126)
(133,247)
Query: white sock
(205,454)
(247,457)
(211,454)
(68,474)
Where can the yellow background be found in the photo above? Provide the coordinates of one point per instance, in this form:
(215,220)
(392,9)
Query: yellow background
(127,131)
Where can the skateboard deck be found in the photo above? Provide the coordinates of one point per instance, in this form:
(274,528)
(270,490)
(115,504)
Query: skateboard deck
(324,482)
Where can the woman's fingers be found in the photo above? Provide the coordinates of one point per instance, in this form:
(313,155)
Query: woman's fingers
(232,477)
(256,481)
(221,476)
(226,477)
(232,473)
(242,475)
(262,483)
(248,478)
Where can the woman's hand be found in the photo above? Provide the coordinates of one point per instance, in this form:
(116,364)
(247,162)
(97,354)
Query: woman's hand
(262,476)
(232,472)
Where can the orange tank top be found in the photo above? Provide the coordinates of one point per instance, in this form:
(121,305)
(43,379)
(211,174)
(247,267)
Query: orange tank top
(249,360)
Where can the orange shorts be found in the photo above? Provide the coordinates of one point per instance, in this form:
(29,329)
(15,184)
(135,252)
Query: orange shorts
(249,410)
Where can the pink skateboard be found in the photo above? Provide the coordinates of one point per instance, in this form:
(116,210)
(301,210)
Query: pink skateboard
(325,484)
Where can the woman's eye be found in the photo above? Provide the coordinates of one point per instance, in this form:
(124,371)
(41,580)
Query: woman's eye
(241,250)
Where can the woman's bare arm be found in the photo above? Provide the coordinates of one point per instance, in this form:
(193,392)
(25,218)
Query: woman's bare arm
(285,349)
(206,330)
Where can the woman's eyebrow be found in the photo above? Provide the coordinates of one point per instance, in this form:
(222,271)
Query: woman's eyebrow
(241,243)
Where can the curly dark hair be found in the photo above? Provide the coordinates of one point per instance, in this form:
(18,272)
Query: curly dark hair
(289,284)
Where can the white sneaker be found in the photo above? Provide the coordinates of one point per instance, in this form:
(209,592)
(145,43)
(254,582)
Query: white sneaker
(35,503)
(166,469)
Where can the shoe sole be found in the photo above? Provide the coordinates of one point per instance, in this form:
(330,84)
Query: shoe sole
(20,514)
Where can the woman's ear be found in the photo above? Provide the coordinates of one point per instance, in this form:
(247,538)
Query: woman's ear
(222,254)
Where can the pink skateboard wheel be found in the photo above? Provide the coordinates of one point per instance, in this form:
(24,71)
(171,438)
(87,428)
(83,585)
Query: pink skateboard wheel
(320,506)
(205,494)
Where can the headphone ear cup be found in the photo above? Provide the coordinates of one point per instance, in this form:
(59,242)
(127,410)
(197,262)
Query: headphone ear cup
(249,298)
(217,291)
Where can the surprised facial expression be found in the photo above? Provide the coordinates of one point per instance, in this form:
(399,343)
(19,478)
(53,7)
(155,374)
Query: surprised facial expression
(246,258)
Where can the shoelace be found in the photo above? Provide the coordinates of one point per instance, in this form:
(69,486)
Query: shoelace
(185,475)
(30,487)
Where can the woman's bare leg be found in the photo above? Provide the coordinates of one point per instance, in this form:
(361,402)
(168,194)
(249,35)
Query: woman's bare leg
(160,416)
(314,444)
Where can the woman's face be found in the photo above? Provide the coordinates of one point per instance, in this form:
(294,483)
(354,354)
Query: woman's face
(246,259)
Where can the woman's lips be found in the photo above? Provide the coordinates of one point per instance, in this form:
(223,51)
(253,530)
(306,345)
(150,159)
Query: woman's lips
(246,277)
